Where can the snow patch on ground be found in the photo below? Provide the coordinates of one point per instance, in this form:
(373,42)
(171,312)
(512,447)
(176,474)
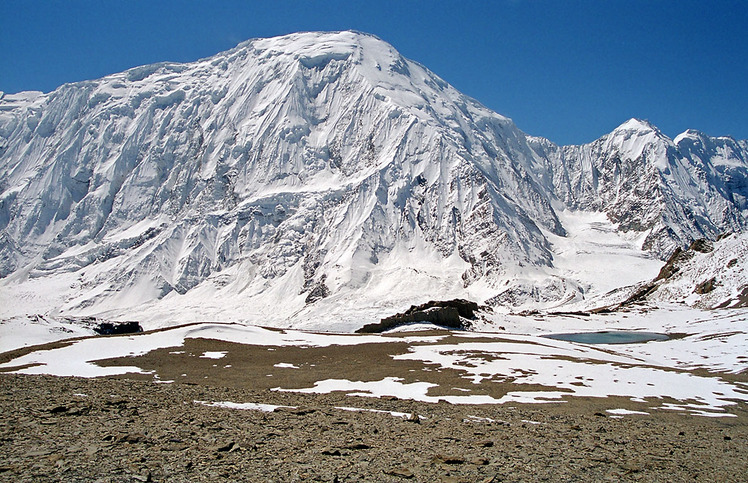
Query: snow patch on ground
(396,414)
(266,408)
(24,331)
(213,355)
(624,412)
(641,372)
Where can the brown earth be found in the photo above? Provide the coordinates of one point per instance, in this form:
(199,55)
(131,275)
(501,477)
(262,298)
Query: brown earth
(73,429)
(129,428)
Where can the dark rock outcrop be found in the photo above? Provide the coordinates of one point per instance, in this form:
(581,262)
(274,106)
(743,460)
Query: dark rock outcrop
(680,256)
(453,314)
(706,286)
(319,291)
(112,328)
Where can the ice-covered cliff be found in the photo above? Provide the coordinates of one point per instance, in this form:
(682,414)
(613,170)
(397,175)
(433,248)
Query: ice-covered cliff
(314,175)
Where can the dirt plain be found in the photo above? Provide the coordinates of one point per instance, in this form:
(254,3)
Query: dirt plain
(131,428)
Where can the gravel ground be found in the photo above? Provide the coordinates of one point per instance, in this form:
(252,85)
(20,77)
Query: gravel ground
(125,429)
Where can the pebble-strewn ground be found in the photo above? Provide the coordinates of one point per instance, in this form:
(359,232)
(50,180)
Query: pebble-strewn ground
(71,429)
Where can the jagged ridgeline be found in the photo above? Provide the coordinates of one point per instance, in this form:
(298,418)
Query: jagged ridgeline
(313,169)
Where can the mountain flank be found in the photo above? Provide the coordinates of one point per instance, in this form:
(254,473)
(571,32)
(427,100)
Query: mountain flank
(315,175)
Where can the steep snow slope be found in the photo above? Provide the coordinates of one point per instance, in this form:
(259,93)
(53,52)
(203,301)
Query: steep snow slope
(297,163)
(317,176)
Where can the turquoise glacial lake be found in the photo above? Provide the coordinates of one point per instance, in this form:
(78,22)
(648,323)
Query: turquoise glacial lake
(609,337)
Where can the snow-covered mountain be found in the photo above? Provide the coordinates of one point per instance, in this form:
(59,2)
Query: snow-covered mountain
(674,191)
(317,176)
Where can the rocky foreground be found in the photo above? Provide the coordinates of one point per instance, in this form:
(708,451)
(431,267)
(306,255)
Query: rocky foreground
(124,430)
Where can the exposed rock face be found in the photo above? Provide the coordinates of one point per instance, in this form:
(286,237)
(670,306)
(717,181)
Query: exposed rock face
(706,286)
(679,257)
(672,264)
(319,291)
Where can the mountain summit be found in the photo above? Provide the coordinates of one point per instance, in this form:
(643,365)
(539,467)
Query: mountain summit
(315,175)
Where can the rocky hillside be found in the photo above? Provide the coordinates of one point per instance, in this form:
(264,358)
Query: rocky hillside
(706,275)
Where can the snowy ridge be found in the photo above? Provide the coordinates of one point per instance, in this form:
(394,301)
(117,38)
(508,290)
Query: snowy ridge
(713,276)
(318,176)
(674,191)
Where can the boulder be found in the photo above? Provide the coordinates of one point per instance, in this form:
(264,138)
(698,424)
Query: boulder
(112,328)
(453,314)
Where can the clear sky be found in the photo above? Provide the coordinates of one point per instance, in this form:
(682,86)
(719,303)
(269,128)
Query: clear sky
(568,70)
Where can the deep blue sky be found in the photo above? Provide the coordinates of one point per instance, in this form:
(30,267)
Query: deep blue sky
(569,70)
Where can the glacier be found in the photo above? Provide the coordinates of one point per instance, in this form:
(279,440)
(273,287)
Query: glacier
(322,180)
